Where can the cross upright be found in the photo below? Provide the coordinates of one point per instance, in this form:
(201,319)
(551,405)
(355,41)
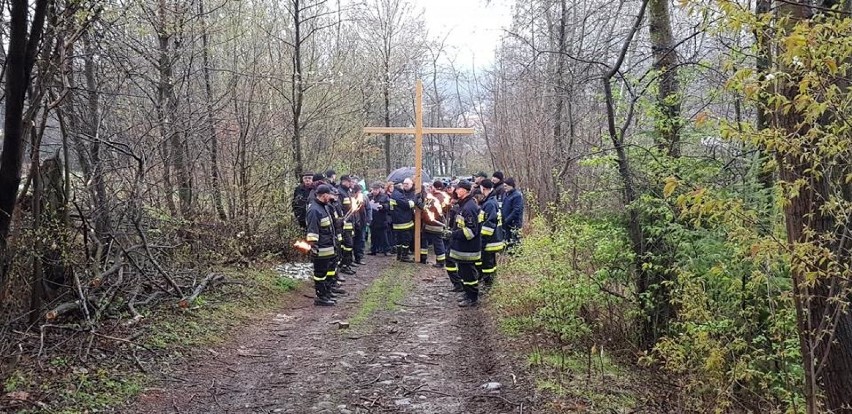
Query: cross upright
(418,132)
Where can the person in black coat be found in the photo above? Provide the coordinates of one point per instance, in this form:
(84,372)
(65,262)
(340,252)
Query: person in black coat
(513,213)
(402,219)
(466,245)
(300,200)
(380,205)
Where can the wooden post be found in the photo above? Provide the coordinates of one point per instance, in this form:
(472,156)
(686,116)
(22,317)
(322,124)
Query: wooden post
(418,132)
(418,161)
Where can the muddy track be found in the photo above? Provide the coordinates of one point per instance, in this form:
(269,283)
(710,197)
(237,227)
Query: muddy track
(415,352)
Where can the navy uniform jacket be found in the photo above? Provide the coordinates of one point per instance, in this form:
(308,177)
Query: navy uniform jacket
(492,224)
(466,241)
(402,210)
(321,232)
(513,209)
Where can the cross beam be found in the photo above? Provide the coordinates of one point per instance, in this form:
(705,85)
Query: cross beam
(418,132)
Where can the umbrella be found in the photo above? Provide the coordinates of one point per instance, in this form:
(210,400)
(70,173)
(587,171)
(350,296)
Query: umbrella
(407,172)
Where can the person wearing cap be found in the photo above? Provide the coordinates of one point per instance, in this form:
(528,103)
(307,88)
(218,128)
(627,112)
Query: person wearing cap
(478,178)
(300,200)
(322,236)
(513,213)
(465,246)
(499,187)
(402,217)
(330,177)
(348,246)
(492,233)
(380,204)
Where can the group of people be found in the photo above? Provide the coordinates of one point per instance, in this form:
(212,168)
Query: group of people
(334,218)
(466,222)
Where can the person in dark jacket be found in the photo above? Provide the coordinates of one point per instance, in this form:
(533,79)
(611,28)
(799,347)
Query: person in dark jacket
(316,181)
(322,237)
(402,219)
(380,204)
(466,244)
(348,230)
(331,178)
(513,213)
(360,222)
(300,201)
(499,186)
(492,233)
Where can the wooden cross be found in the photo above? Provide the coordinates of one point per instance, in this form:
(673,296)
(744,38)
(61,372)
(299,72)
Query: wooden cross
(418,132)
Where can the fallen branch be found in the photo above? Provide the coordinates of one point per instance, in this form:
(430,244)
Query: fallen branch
(184,303)
(64,308)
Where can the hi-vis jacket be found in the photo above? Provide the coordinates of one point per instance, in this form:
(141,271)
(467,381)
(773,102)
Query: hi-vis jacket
(433,213)
(322,234)
(492,224)
(466,242)
(402,210)
(345,200)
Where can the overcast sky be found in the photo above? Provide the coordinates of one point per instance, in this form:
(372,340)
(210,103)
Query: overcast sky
(474,26)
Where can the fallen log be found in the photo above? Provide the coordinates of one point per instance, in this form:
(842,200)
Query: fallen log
(211,278)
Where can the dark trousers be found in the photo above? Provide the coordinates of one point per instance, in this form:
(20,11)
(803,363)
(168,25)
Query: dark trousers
(404,238)
(391,237)
(379,240)
(470,279)
(437,242)
(487,267)
(452,269)
(347,247)
(325,274)
(360,240)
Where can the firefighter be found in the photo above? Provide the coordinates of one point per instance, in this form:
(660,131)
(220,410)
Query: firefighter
(348,229)
(380,204)
(322,237)
(492,233)
(402,217)
(433,226)
(300,199)
(466,244)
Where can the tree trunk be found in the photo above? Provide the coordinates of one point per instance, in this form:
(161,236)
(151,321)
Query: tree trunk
(298,88)
(98,186)
(823,319)
(665,63)
(211,129)
(167,106)
(20,59)
(386,94)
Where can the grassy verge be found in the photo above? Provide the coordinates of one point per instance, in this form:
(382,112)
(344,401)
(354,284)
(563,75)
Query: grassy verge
(111,376)
(384,293)
(575,377)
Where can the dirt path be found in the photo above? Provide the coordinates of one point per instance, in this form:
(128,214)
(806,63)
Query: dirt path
(409,349)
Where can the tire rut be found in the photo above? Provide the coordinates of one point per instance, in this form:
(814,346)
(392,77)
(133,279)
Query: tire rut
(423,355)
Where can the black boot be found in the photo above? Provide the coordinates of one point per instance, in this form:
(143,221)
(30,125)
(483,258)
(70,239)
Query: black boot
(457,287)
(405,256)
(438,265)
(337,291)
(323,294)
(470,300)
(423,259)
